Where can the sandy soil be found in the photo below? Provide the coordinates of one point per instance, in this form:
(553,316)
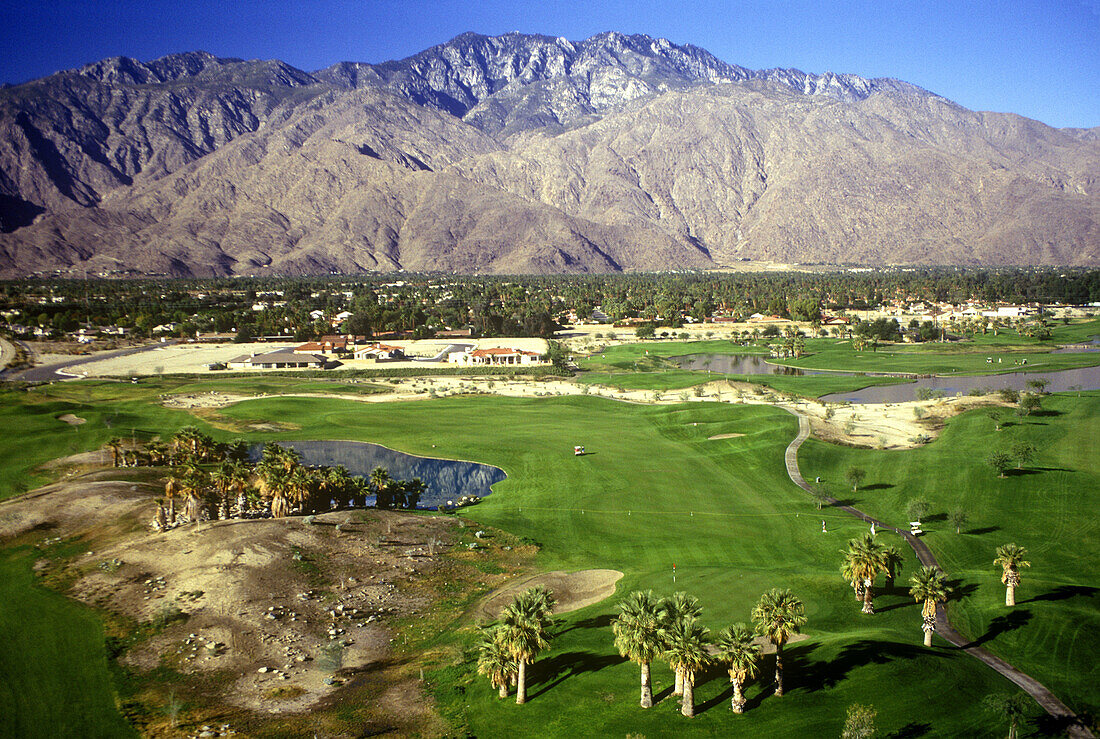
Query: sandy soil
(882,425)
(194,358)
(716,437)
(271,601)
(7,352)
(573,591)
(70,419)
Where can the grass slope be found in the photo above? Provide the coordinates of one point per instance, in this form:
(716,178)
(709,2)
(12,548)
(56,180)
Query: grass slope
(1049,507)
(54,680)
(653,491)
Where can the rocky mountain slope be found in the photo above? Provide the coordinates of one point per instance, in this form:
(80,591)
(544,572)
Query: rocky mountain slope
(523,154)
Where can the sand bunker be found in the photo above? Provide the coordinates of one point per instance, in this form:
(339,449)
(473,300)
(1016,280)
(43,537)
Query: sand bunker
(723,436)
(573,590)
(70,419)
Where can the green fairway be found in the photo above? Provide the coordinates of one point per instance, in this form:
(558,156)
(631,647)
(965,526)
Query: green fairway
(654,490)
(1049,507)
(53,668)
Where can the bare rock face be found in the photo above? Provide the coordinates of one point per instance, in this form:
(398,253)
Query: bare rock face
(523,154)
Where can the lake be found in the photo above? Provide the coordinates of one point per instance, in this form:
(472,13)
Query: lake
(446,479)
(1084,378)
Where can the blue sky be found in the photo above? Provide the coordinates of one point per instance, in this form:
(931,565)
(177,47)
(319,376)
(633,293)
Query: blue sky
(1039,59)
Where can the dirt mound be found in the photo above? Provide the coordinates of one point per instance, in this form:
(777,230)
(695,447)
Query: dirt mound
(573,590)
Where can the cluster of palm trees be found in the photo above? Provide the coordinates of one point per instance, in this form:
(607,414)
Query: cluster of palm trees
(515,640)
(864,559)
(208,475)
(648,629)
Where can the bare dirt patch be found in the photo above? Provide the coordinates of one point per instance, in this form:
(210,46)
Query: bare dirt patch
(723,436)
(573,590)
(70,419)
(267,619)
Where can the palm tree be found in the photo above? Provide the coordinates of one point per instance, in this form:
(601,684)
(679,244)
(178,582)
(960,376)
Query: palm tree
(336,484)
(300,486)
(686,645)
(864,559)
(679,607)
(930,587)
(849,572)
(738,650)
(380,480)
(115,447)
(1011,558)
(414,488)
(495,660)
(638,637)
(778,616)
(171,487)
(525,623)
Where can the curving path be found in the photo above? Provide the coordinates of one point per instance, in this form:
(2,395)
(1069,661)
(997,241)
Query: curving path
(1033,687)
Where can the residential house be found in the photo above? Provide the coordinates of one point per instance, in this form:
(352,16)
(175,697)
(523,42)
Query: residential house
(496,356)
(278,359)
(379,352)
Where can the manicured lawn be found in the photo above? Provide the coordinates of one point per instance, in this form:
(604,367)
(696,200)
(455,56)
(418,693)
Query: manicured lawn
(1049,507)
(653,491)
(54,680)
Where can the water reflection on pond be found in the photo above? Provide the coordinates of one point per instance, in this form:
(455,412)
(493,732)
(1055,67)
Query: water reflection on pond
(1084,378)
(736,364)
(446,479)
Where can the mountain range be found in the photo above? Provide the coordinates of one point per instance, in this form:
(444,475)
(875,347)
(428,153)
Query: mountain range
(523,154)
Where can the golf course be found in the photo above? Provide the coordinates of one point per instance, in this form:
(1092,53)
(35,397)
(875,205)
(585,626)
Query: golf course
(688,496)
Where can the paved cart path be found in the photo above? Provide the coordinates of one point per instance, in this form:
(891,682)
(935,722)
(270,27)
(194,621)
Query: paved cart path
(944,628)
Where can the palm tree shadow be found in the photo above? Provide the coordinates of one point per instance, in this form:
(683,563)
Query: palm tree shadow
(602,621)
(895,606)
(708,674)
(819,675)
(983,530)
(960,590)
(1002,625)
(911,730)
(1065,592)
(548,673)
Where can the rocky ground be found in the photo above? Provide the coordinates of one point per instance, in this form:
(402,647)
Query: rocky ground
(263,619)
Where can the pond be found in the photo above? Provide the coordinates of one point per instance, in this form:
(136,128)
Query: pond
(446,479)
(737,364)
(1084,378)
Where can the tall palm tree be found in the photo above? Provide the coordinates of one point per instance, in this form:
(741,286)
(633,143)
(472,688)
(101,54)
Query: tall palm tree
(849,572)
(380,480)
(1011,558)
(637,631)
(679,607)
(737,649)
(778,616)
(414,488)
(171,487)
(115,447)
(526,623)
(686,645)
(864,559)
(301,485)
(930,587)
(495,660)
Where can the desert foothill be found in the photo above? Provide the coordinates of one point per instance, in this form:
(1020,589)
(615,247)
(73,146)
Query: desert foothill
(523,386)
